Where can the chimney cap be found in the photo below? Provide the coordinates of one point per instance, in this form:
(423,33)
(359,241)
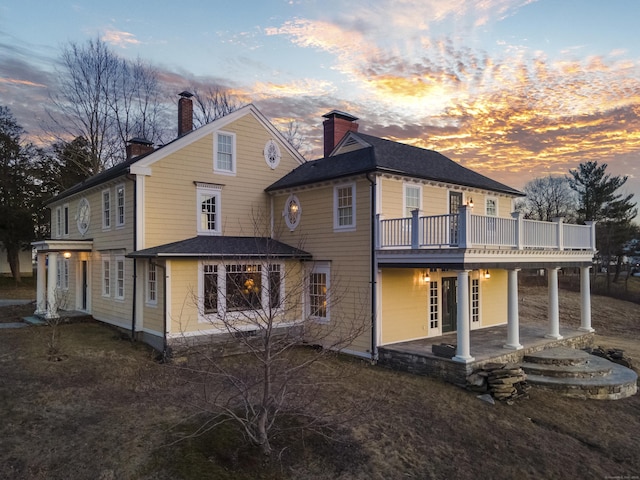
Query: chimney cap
(186,94)
(139,141)
(339,114)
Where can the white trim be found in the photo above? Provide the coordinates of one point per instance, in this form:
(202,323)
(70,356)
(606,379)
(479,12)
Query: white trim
(167,293)
(120,259)
(105,289)
(486,209)
(218,331)
(234,154)
(405,187)
(292,219)
(322,268)
(106,218)
(215,192)
(58,220)
(139,205)
(354,353)
(336,220)
(151,302)
(120,224)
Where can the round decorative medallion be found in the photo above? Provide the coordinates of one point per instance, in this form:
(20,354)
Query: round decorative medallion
(84,215)
(292,212)
(272,154)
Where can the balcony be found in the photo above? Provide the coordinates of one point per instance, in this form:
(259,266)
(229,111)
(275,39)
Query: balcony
(494,236)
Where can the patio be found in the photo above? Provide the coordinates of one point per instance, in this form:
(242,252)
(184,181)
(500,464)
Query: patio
(487,346)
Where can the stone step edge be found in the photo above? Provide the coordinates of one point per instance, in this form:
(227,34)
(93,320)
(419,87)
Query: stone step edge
(592,368)
(613,391)
(619,376)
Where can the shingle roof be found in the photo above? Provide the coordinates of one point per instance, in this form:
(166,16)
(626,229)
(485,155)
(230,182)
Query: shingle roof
(387,156)
(205,246)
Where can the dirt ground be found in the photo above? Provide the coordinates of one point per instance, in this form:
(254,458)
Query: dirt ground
(107,410)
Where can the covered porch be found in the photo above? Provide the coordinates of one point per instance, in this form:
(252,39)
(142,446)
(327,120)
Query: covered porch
(416,356)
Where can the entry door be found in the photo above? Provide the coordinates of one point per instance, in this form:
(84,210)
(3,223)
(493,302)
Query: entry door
(455,200)
(449,304)
(85,282)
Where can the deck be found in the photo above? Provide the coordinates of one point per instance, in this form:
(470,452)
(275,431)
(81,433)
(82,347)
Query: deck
(486,347)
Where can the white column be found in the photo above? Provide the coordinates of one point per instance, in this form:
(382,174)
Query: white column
(463,352)
(52,273)
(41,285)
(513,320)
(585,300)
(554,308)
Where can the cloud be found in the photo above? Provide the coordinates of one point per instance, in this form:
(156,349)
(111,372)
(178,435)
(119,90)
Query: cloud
(119,38)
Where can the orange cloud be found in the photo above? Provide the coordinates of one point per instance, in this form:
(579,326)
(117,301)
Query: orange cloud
(17,81)
(120,39)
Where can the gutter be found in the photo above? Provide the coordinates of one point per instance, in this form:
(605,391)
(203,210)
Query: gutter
(374,276)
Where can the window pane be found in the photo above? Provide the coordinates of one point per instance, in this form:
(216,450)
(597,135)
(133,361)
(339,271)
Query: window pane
(345,206)
(106,209)
(225,152)
(210,288)
(120,199)
(244,284)
(411,199)
(208,212)
(120,278)
(318,295)
(275,282)
(152,283)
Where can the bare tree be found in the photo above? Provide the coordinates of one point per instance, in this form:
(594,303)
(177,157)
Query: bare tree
(105,99)
(258,307)
(211,103)
(547,198)
(294,136)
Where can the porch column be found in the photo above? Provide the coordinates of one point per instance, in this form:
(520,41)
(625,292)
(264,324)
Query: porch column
(41,285)
(554,309)
(513,320)
(463,352)
(52,274)
(585,300)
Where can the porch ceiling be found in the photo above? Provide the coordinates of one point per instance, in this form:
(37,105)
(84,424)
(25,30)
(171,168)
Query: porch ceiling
(473,258)
(59,245)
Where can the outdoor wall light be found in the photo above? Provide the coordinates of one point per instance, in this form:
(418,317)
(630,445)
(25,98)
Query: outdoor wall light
(66,254)
(487,274)
(426,277)
(470,202)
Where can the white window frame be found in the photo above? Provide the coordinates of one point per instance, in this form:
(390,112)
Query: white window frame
(214,270)
(267,272)
(62,278)
(292,212)
(121,202)
(106,209)
(214,191)
(106,276)
(121,280)
(486,206)
(434,307)
(474,302)
(152,284)
(336,208)
(217,168)
(58,222)
(320,268)
(405,207)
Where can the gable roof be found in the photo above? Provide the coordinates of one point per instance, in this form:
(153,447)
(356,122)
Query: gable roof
(380,155)
(141,164)
(207,246)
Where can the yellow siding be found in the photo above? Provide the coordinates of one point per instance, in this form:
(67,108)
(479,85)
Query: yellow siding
(348,251)
(183,309)
(170,207)
(493,295)
(404,305)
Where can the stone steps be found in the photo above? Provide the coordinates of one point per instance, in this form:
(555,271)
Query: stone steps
(575,373)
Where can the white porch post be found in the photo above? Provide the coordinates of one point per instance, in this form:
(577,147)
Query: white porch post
(554,308)
(52,274)
(41,285)
(513,320)
(463,352)
(585,300)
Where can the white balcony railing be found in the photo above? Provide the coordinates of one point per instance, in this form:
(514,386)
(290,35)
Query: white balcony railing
(464,230)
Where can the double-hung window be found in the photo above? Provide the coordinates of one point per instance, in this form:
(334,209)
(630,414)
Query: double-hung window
(62,279)
(275,286)
(412,198)
(58,229)
(208,200)
(120,278)
(106,277)
(344,201)
(65,220)
(210,288)
(224,151)
(106,209)
(152,284)
(243,287)
(491,207)
(120,205)
(318,293)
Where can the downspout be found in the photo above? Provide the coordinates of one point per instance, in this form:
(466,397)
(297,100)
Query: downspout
(135,261)
(374,272)
(164,312)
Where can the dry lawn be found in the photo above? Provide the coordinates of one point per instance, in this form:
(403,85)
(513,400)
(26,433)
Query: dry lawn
(106,411)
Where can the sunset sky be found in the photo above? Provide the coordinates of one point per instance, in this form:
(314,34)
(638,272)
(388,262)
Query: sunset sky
(515,89)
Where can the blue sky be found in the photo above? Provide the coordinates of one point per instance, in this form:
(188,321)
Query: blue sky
(515,89)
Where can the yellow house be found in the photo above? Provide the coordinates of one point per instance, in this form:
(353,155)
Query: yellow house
(386,240)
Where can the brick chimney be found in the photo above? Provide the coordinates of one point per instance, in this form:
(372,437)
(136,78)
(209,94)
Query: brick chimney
(336,126)
(185,113)
(138,146)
